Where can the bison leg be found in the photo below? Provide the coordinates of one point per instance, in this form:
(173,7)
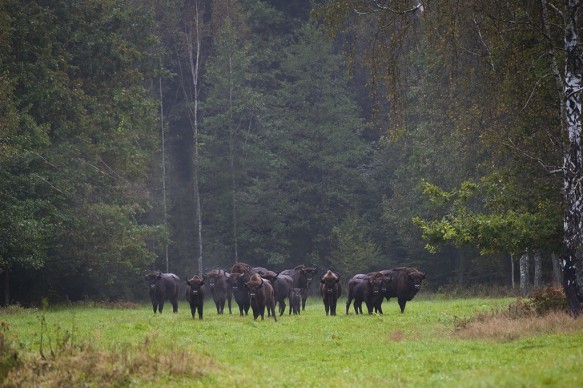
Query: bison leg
(200,312)
(402,303)
(229,304)
(160,307)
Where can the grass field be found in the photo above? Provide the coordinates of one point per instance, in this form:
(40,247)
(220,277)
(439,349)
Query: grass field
(434,343)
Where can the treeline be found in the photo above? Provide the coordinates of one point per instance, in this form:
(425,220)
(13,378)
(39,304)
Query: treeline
(188,135)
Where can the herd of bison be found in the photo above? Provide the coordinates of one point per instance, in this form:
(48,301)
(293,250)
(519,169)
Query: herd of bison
(261,289)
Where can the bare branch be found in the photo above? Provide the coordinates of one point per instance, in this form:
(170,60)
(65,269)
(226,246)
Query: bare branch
(384,6)
(549,168)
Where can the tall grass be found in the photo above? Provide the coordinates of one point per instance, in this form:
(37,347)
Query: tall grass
(460,342)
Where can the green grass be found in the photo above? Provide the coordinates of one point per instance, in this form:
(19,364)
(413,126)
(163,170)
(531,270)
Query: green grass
(418,348)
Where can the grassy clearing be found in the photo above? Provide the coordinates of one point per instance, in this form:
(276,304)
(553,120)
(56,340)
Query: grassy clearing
(434,343)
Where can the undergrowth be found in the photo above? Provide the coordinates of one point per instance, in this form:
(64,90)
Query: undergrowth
(542,311)
(85,365)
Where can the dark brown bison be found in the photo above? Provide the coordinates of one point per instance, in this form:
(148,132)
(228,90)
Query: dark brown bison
(358,290)
(295,301)
(282,285)
(240,274)
(195,295)
(330,290)
(216,281)
(302,277)
(378,285)
(162,286)
(405,284)
(261,296)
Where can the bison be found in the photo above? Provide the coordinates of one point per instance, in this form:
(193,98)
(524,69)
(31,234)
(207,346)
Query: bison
(295,300)
(236,279)
(162,286)
(378,285)
(282,285)
(195,295)
(330,291)
(216,280)
(302,277)
(358,290)
(405,284)
(261,295)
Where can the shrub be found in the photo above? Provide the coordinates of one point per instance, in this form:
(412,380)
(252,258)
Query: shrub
(548,299)
(8,353)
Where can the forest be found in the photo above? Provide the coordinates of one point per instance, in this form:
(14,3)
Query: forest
(186,135)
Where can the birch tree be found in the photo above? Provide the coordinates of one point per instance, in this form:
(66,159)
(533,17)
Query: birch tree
(571,260)
(516,41)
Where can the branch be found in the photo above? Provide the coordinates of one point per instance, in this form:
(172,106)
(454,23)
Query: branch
(550,169)
(484,43)
(380,6)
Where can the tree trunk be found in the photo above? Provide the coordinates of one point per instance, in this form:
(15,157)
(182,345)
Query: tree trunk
(461,267)
(164,202)
(538,270)
(194,51)
(572,174)
(558,279)
(512,271)
(524,274)
(232,133)
(5,280)
(570,96)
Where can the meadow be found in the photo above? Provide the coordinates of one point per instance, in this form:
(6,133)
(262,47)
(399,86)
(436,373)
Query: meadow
(436,342)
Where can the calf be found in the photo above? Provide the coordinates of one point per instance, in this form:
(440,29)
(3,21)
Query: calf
(261,296)
(216,280)
(162,286)
(295,301)
(195,295)
(302,277)
(378,285)
(330,290)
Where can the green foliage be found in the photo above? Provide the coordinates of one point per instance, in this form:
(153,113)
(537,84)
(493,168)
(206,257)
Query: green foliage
(353,250)
(79,137)
(476,216)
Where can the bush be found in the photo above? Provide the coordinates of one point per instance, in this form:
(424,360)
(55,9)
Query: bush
(547,300)
(8,353)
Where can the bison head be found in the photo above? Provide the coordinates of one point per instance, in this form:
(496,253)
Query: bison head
(415,278)
(152,279)
(378,283)
(254,285)
(195,284)
(329,280)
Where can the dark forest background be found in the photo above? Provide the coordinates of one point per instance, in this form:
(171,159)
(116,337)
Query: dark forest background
(187,135)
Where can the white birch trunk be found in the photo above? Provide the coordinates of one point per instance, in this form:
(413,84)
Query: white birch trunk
(570,96)
(524,273)
(558,279)
(570,258)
